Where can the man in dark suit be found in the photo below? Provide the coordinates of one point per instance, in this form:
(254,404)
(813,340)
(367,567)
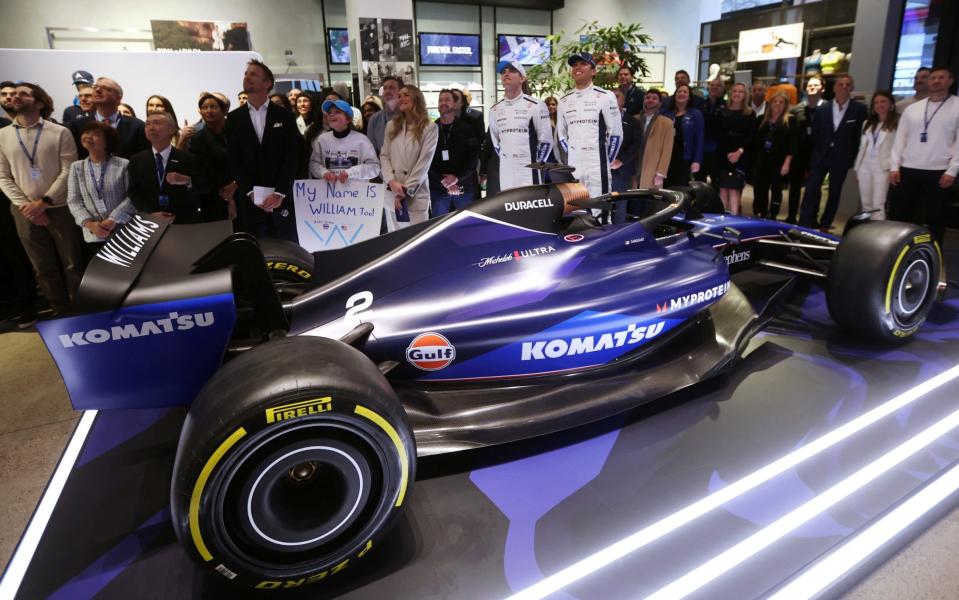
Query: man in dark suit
(107,95)
(263,144)
(836,131)
(164,180)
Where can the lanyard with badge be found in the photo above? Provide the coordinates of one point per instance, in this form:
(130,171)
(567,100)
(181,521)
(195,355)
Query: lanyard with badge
(927,120)
(98,184)
(875,139)
(34,169)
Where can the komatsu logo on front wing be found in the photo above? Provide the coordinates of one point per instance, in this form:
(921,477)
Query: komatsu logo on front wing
(528,204)
(122,249)
(299,409)
(633,334)
(693,299)
(175,322)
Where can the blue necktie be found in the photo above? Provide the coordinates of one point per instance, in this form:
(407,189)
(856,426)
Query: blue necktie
(159,169)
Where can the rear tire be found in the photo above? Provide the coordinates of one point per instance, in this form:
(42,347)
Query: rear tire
(291,266)
(883,280)
(293,463)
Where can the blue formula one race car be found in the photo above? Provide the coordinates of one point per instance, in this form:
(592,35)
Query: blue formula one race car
(315,381)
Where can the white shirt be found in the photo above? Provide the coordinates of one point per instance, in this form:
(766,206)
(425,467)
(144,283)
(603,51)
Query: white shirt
(837,113)
(940,151)
(759,109)
(112,119)
(165,154)
(258,116)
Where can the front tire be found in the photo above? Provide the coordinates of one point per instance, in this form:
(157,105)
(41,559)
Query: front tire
(884,279)
(293,463)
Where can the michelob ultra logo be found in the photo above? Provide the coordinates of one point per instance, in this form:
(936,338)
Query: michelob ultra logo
(287,412)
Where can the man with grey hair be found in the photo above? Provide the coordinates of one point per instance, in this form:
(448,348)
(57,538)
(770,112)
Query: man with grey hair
(107,95)
(341,88)
(164,180)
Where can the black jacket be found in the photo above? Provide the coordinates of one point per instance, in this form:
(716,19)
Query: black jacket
(130,129)
(838,147)
(212,151)
(633,142)
(460,140)
(145,190)
(773,143)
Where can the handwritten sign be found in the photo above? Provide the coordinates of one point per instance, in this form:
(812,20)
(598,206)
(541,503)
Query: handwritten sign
(335,215)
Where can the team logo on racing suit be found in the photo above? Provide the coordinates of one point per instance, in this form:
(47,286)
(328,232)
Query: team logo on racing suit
(693,299)
(430,352)
(517,256)
(737,257)
(630,336)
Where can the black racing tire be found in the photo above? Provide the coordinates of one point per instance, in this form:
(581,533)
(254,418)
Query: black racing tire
(883,280)
(294,462)
(288,262)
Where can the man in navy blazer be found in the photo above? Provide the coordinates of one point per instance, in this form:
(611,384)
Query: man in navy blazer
(107,95)
(175,189)
(836,131)
(263,143)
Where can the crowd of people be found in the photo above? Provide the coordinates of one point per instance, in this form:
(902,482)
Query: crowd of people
(70,184)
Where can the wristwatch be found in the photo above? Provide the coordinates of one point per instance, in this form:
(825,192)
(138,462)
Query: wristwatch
(47,200)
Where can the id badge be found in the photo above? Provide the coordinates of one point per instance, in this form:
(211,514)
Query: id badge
(923,137)
(164,201)
(35,173)
(768,145)
(446,154)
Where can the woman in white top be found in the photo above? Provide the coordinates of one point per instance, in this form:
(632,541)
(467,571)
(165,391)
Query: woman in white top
(875,148)
(407,152)
(342,153)
(97,187)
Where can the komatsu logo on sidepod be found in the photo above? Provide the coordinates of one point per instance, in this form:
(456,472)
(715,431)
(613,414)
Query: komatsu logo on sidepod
(528,204)
(430,352)
(633,334)
(175,322)
(693,299)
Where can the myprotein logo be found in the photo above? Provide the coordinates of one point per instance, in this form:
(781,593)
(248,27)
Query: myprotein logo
(528,204)
(517,256)
(681,302)
(123,248)
(737,257)
(174,322)
(557,348)
(430,352)
(299,409)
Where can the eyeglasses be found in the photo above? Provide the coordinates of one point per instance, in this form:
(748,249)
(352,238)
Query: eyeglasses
(104,87)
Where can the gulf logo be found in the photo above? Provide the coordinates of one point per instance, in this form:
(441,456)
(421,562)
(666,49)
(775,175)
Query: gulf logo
(430,352)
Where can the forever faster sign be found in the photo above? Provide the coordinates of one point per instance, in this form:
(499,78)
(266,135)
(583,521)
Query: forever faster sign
(334,215)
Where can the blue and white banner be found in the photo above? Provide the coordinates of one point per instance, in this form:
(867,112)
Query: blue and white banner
(335,215)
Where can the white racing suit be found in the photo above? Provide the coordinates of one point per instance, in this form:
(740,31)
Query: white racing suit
(590,130)
(521,134)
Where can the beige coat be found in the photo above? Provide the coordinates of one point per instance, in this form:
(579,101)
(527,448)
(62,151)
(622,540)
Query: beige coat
(408,161)
(657,149)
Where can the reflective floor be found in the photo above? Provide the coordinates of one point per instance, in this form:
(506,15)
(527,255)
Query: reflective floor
(730,489)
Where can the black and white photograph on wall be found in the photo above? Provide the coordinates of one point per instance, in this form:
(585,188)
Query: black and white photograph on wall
(369,40)
(200,36)
(400,39)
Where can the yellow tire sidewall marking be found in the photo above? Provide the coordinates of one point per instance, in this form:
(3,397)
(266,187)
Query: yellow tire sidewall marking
(400,449)
(198,491)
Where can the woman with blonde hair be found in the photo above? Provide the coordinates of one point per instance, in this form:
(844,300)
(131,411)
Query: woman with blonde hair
(737,126)
(405,159)
(775,145)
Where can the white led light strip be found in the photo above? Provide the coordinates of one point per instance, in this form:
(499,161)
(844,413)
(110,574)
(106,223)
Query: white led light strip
(826,572)
(13,576)
(726,561)
(664,526)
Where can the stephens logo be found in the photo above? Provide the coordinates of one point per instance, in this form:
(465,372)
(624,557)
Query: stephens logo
(175,322)
(528,204)
(737,257)
(430,352)
(558,348)
(517,256)
(693,299)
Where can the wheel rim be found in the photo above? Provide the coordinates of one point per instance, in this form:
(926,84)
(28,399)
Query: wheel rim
(913,288)
(296,493)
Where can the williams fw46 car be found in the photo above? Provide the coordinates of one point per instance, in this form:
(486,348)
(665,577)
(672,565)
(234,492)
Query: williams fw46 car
(315,381)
